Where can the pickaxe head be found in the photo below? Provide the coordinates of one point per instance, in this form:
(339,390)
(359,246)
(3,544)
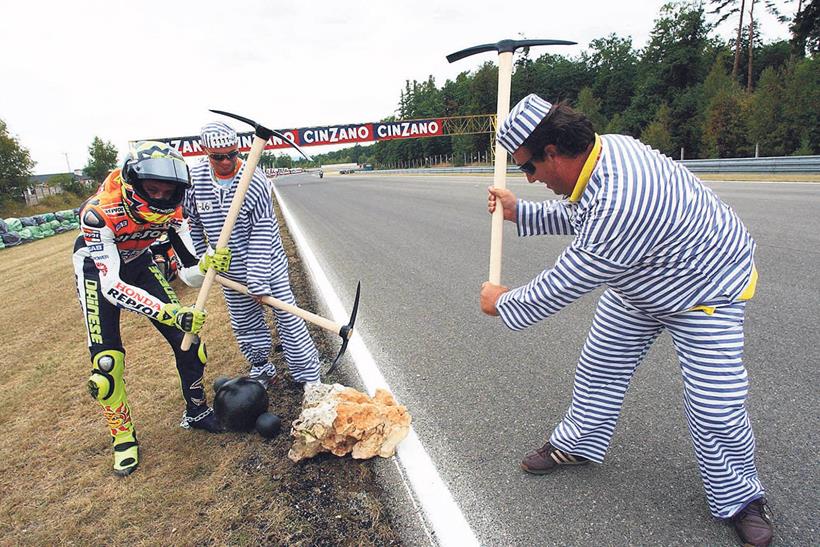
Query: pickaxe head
(263,132)
(505,46)
(347,330)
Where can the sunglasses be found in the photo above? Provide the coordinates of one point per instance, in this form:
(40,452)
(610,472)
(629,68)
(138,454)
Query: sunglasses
(221,157)
(527,167)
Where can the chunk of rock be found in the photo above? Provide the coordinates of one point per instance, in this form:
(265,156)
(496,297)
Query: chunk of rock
(342,420)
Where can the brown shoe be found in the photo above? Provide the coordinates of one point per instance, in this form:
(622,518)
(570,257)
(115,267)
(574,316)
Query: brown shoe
(547,458)
(753,524)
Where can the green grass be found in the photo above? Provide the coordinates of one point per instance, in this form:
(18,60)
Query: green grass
(49,204)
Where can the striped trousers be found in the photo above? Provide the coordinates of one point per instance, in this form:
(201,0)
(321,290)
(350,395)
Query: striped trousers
(254,335)
(710,351)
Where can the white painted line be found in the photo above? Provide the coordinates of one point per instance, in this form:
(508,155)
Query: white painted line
(441,510)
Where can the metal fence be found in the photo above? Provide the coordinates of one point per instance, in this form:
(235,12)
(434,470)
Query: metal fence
(34,195)
(776,165)
(784,164)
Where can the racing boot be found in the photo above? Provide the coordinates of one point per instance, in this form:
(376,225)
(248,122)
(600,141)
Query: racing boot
(191,368)
(202,418)
(126,453)
(107,387)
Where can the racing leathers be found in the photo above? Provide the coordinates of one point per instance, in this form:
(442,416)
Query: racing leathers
(114,270)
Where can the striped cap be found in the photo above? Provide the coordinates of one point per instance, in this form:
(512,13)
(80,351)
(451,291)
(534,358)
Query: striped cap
(521,122)
(218,135)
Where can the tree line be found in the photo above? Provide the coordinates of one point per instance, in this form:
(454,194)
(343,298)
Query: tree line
(16,168)
(687,92)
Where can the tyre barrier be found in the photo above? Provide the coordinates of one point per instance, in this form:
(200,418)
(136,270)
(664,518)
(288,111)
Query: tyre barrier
(16,231)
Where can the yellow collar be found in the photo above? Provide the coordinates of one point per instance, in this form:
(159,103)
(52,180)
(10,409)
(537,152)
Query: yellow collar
(586,171)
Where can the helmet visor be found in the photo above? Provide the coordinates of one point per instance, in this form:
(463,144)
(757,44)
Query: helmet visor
(165,169)
(157,204)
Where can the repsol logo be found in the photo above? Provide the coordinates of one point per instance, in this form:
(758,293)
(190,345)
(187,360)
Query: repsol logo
(92,311)
(91,235)
(131,298)
(138,236)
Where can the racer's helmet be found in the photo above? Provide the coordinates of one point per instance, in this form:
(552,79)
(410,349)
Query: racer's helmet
(152,160)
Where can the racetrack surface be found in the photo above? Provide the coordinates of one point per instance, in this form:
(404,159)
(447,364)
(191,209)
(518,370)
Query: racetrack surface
(481,396)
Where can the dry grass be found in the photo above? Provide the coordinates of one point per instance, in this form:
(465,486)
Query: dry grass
(192,488)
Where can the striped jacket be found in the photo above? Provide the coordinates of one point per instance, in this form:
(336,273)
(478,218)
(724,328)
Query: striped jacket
(646,227)
(255,240)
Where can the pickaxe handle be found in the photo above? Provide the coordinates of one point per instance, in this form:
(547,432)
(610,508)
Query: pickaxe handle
(505,59)
(327,324)
(505,50)
(225,235)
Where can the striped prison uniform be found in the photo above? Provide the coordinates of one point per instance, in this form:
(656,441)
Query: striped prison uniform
(673,256)
(257,261)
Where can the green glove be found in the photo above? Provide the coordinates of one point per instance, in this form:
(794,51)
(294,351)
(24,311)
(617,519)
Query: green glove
(219,260)
(182,317)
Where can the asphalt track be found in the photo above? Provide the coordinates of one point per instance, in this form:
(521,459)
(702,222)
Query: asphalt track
(481,395)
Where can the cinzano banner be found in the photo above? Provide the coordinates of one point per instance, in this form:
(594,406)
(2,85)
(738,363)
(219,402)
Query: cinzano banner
(324,135)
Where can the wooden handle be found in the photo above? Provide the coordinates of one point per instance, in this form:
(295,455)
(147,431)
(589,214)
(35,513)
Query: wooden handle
(500,172)
(225,235)
(326,324)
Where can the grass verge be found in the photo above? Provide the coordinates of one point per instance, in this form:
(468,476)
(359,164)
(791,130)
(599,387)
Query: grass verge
(192,488)
(49,204)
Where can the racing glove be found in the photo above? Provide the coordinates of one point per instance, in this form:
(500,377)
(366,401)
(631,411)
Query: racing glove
(182,317)
(219,260)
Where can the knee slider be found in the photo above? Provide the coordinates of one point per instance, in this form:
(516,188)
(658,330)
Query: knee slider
(106,374)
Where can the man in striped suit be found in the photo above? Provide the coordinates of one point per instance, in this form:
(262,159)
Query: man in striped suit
(257,258)
(673,256)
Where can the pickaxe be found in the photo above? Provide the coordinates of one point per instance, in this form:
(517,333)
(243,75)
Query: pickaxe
(260,138)
(505,49)
(345,331)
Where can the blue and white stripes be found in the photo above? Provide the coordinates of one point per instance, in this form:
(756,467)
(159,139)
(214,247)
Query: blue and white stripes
(710,351)
(646,227)
(218,135)
(258,261)
(663,243)
(521,122)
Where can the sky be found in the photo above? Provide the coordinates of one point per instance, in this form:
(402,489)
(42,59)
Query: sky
(125,71)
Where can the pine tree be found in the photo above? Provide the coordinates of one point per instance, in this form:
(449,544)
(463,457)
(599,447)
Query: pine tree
(766,128)
(657,134)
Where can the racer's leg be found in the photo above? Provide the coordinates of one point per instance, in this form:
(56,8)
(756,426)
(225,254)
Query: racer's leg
(190,364)
(106,384)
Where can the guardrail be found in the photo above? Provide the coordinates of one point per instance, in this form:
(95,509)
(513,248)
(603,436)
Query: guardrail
(784,164)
